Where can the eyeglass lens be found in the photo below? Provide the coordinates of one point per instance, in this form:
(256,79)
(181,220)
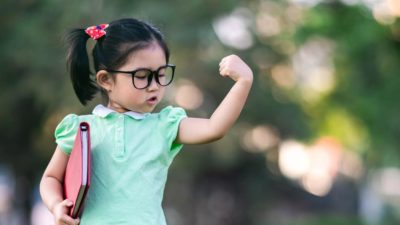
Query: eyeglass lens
(143,78)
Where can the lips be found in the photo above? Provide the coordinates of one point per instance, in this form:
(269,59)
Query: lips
(152,100)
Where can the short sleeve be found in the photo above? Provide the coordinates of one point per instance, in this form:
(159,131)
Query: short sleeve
(66,131)
(171,118)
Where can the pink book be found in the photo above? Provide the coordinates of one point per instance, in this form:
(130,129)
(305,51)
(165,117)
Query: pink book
(77,173)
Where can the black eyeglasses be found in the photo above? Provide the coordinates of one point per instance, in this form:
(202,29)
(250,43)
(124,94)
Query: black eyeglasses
(142,78)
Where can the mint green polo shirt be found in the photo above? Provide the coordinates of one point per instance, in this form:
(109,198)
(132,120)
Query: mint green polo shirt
(131,154)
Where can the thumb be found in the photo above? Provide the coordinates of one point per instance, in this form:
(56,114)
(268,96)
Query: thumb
(68,202)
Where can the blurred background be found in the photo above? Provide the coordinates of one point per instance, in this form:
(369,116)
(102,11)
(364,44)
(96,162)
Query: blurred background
(317,143)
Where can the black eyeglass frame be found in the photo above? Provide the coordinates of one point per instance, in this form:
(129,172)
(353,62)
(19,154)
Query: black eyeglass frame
(154,74)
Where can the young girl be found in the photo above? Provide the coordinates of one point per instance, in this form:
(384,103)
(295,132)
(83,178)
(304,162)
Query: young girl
(132,148)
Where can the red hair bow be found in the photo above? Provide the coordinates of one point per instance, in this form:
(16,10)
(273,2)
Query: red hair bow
(96,32)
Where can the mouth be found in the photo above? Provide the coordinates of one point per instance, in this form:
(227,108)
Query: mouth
(152,100)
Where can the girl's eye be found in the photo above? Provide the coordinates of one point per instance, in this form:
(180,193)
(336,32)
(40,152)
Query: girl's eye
(141,74)
(140,77)
(161,75)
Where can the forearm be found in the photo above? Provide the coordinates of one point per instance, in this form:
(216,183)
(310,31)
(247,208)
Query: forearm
(230,108)
(51,191)
(196,130)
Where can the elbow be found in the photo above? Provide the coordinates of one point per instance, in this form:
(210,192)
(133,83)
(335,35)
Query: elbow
(42,188)
(216,132)
(47,181)
(42,181)
(42,185)
(217,135)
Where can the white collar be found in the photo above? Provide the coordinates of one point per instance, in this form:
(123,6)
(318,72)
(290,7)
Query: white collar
(103,111)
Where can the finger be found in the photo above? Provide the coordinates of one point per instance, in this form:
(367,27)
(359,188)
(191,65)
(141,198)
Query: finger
(69,220)
(68,203)
(224,72)
(224,60)
(77,221)
(221,68)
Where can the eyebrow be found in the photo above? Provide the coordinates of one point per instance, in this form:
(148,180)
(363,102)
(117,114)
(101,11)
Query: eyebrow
(142,68)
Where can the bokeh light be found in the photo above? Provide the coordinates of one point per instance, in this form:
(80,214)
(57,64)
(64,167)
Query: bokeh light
(233,30)
(188,95)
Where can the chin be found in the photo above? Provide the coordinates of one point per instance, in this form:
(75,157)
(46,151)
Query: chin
(149,110)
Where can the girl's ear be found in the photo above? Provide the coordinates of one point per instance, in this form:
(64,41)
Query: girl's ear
(104,80)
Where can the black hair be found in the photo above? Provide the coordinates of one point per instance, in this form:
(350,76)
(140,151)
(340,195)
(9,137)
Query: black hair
(123,37)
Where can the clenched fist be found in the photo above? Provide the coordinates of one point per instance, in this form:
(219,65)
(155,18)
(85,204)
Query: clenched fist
(234,67)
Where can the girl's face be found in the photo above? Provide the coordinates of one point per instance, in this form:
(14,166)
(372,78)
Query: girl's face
(123,96)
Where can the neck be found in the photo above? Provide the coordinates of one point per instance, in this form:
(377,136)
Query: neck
(116,107)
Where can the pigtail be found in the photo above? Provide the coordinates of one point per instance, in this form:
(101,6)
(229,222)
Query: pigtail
(78,65)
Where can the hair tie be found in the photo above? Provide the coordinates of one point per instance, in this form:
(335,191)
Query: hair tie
(96,32)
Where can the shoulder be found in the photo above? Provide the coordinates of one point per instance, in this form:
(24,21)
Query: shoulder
(169,119)
(69,124)
(172,113)
(66,130)
(74,119)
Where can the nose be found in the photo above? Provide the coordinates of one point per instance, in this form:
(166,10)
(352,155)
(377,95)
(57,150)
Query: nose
(153,85)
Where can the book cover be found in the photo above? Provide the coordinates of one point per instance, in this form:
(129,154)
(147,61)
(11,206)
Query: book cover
(77,174)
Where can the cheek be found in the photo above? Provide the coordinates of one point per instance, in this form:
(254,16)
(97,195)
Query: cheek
(162,92)
(125,87)
(130,92)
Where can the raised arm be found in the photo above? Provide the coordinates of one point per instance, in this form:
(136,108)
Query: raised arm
(198,130)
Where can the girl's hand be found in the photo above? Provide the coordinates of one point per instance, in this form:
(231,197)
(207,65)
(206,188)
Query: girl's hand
(232,66)
(60,212)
